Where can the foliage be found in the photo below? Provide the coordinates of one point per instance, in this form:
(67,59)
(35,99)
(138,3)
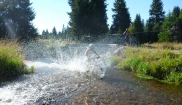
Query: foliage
(121,17)
(164,37)
(11,61)
(54,32)
(171,19)
(16,19)
(156,12)
(115,60)
(3,31)
(88,18)
(138,24)
(176,11)
(155,21)
(136,28)
(161,64)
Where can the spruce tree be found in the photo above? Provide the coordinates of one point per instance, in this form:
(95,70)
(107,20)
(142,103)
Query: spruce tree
(88,17)
(170,20)
(138,28)
(176,11)
(18,16)
(3,31)
(54,32)
(47,32)
(43,33)
(138,24)
(155,20)
(121,17)
(156,12)
(100,16)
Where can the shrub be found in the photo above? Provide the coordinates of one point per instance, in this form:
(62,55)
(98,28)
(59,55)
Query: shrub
(11,61)
(164,37)
(159,63)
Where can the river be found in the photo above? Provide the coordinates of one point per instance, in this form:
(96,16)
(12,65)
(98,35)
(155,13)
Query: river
(55,83)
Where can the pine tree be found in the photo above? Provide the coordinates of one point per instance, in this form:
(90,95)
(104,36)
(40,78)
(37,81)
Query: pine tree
(121,17)
(47,32)
(3,31)
(156,12)
(78,17)
(88,17)
(138,24)
(18,16)
(170,20)
(138,27)
(43,33)
(100,16)
(176,11)
(54,32)
(155,20)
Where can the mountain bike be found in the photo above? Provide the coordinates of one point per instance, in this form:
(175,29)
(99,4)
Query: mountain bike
(96,67)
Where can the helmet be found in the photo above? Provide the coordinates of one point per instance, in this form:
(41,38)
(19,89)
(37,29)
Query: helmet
(91,46)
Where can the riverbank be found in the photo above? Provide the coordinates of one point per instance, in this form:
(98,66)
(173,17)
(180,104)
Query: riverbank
(164,65)
(11,61)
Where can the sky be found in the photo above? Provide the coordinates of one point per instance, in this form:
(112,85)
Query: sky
(53,13)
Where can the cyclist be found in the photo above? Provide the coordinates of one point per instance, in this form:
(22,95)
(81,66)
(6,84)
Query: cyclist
(127,37)
(89,53)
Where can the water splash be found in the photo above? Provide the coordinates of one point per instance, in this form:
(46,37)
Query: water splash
(55,70)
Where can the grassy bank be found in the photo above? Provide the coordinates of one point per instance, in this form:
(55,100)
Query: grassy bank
(11,61)
(159,64)
(165,45)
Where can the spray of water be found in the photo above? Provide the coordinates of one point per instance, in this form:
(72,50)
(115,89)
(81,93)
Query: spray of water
(56,68)
(70,57)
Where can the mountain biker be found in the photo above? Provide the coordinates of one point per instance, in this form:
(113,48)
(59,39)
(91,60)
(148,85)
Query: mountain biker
(127,37)
(89,53)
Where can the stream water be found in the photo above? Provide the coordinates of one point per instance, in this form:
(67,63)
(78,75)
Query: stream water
(58,83)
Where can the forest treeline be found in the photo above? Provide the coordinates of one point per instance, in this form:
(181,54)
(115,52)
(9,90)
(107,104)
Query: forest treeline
(88,18)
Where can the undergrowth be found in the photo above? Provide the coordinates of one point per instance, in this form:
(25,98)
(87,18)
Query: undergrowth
(161,64)
(11,61)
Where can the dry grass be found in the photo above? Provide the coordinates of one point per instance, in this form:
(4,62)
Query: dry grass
(167,45)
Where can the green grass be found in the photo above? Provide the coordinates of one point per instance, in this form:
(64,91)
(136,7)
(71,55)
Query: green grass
(161,64)
(11,61)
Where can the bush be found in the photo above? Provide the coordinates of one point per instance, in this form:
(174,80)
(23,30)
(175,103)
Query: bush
(11,61)
(161,64)
(164,37)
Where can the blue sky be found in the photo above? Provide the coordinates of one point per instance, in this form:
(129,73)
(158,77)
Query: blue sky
(53,13)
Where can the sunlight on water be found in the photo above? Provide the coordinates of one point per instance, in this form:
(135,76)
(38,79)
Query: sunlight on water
(76,65)
(50,74)
(28,88)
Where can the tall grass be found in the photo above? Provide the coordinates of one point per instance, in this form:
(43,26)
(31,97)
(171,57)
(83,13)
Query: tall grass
(11,61)
(160,64)
(164,45)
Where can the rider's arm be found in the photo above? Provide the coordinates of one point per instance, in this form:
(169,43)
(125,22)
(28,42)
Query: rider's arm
(96,54)
(86,52)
